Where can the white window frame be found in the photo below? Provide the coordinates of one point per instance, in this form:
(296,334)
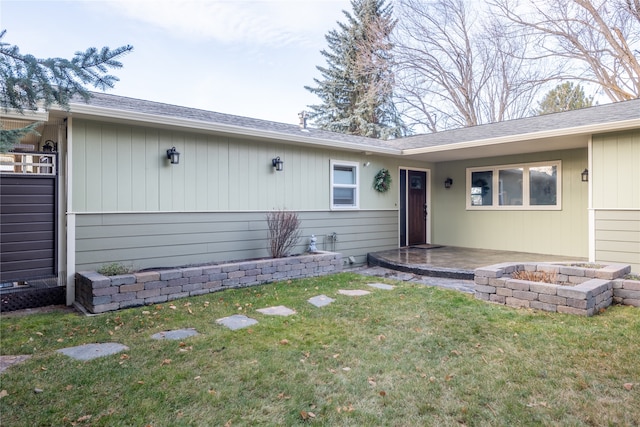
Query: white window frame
(355,186)
(495,187)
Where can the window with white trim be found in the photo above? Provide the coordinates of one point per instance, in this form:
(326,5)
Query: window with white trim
(344,185)
(528,186)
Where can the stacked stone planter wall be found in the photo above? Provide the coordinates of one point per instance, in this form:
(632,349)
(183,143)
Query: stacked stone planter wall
(585,292)
(626,292)
(98,293)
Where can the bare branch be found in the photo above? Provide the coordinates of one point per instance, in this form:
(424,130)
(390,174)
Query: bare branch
(593,40)
(457,70)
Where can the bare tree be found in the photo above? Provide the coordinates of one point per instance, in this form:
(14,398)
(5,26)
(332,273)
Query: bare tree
(456,69)
(593,41)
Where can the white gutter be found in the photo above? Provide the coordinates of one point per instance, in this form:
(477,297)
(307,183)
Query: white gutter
(134,116)
(586,129)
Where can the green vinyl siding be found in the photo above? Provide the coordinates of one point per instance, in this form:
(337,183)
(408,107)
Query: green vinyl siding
(617,235)
(560,232)
(615,173)
(615,177)
(147,240)
(119,168)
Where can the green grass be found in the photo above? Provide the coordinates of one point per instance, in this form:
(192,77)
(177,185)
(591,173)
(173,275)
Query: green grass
(412,356)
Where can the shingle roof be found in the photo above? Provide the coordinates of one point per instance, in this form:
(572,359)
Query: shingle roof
(160,109)
(601,114)
(608,113)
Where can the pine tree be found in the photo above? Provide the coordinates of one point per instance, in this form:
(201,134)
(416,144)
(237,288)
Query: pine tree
(27,82)
(357,84)
(564,97)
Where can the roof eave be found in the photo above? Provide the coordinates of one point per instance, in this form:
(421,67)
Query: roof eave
(139,117)
(587,129)
(39,115)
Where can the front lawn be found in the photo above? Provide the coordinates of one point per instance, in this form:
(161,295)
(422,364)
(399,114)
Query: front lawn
(414,355)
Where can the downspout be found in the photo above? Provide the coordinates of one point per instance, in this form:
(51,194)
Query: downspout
(70,217)
(591,212)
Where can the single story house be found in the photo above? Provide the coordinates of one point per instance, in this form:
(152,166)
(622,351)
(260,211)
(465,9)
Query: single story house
(98,186)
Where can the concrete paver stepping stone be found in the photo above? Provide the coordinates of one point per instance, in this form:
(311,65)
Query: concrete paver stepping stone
(320,300)
(381,286)
(353,292)
(7,361)
(93,351)
(237,321)
(177,334)
(279,310)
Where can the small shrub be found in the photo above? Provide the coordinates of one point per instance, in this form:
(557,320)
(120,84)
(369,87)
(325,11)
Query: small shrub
(284,232)
(535,276)
(114,269)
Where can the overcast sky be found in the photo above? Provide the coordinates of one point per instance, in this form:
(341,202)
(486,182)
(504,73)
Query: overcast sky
(249,58)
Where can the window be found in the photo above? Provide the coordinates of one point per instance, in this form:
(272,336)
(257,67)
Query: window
(344,185)
(532,186)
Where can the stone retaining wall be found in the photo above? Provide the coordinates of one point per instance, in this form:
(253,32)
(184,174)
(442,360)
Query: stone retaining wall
(98,293)
(593,289)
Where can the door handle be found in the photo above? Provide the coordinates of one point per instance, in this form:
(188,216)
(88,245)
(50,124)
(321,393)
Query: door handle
(424,211)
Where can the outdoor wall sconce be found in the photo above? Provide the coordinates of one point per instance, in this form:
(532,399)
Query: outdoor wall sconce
(173,155)
(448,183)
(585,175)
(277,163)
(48,147)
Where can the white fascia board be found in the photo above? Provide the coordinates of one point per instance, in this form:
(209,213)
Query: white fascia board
(133,116)
(587,129)
(28,115)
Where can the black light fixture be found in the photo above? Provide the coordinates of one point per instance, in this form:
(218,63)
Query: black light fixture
(48,147)
(448,183)
(585,175)
(277,163)
(173,155)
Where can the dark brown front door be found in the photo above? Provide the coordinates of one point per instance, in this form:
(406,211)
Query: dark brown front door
(417,207)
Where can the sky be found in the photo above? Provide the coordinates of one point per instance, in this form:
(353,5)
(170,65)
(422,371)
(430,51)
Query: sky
(248,58)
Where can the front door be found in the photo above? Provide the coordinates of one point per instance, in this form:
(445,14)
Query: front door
(413,207)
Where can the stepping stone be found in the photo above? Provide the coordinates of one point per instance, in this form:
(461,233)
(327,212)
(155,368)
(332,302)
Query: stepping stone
(7,361)
(279,310)
(93,351)
(237,321)
(353,292)
(381,286)
(177,334)
(320,300)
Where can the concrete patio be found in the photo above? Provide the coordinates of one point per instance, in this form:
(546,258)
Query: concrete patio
(452,262)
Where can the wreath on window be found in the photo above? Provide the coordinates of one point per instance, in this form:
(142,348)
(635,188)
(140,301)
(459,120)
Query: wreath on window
(382,181)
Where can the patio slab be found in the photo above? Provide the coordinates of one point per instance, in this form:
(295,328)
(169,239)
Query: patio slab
(279,310)
(93,351)
(320,300)
(450,261)
(237,321)
(177,334)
